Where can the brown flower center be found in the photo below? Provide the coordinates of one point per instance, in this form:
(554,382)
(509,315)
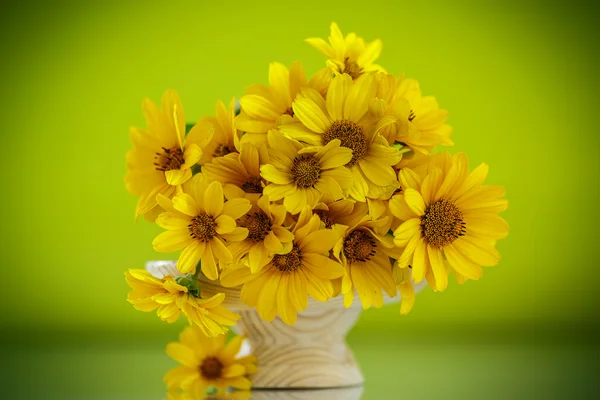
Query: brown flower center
(211,368)
(325,218)
(169,159)
(222,150)
(290,112)
(442,223)
(305,170)
(259,225)
(351,68)
(289,262)
(359,246)
(351,135)
(203,227)
(252,185)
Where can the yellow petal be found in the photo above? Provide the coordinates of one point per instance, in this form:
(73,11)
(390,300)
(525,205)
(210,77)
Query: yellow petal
(420,262)
(233,371)
(479,251)
(189,257)
(405,232)
(213,199)
(259,107)
(176,177)
(319,242)
(225,224)
(336,95)
(236,208)
(311,115)
(220,250)
(279,79)
(172,240)
(182,354)
(461,264)
(438,266)
(274,175)
(415,202)
(186,204)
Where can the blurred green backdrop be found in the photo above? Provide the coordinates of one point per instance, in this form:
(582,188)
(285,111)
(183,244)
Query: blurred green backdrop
(519,79)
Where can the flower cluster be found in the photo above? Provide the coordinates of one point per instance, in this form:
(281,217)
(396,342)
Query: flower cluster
(310,187)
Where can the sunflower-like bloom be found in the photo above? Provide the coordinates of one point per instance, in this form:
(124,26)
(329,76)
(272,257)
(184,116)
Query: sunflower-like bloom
(208,362)
(300,175)
(364,249)
(197,221)
(217,134)
(449,218)
(407,116)
(171,298)
(161,159)
(284,284)
(266,234)
(350,55)
(343,116)
(267,107)
(240,170)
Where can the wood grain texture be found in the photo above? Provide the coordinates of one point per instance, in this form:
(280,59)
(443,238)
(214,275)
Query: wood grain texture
(353,393)
(310,354)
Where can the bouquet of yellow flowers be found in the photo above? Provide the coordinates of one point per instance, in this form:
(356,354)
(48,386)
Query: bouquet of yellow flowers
(319,187)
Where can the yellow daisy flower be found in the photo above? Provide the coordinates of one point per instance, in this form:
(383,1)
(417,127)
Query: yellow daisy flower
(300,175)
(241,170)
(284,284)
(172,298)
(448,216)
(208,362)
(343,116)
(408,117)
(364,249)
(266,107)
(350,55)
(217,134)
(197,221)
(161,159)
(266,235)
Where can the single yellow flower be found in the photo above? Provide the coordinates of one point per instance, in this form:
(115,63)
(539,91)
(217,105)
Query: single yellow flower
(300,175)
(409,118)
(266,107)
(161,159)
(350,55)
(217,134)
(208,362)
(448,216)
(171,298)
(284,284)
(266,234)
(197,221)
(241,170)
(343,116)
(365,249)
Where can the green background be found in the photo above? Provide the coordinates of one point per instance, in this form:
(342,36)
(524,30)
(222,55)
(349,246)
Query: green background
(520,82)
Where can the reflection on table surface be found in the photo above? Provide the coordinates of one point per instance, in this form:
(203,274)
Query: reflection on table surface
(429,367)
(352,393)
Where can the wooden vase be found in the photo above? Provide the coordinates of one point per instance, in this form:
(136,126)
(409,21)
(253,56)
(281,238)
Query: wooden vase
(311,354)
